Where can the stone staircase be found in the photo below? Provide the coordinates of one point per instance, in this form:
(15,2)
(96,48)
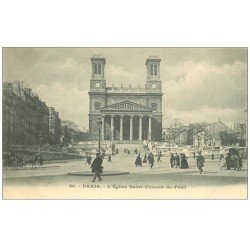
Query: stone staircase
(130,147)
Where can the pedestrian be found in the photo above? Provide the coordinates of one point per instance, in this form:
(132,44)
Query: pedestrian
(212,156)
(236,162)
(184,162)
(89,159)
(228,161)
(86,159)
(177,160)
(172,160)
(222,163)
(109,158)
(159,157)
(194,154)
(97,168)
(138,161)
(239,162)
(200,162)
(151,160)
(145,158)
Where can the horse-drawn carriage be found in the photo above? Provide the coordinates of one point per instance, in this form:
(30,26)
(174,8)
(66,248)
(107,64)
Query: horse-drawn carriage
(233,160)
(19,161)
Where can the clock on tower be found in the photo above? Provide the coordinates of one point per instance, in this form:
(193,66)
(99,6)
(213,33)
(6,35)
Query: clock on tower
(153,82)
(97,81)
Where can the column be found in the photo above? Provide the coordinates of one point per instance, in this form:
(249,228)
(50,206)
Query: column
(140,127)
(149,128)
(121,127)
(112,127)
(103,126)
(131,129)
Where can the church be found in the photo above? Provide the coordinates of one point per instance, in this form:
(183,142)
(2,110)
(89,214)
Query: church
(127,113)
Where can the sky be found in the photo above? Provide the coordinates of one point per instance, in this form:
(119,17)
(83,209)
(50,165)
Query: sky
(199,84)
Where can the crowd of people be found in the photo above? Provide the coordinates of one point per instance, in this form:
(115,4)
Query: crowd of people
(179,160)
(148,158)
(176,160)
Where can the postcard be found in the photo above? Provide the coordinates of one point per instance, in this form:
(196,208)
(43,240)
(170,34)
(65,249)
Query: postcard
(124,123)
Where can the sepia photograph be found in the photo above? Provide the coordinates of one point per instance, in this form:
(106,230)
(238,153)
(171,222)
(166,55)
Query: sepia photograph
(124,123)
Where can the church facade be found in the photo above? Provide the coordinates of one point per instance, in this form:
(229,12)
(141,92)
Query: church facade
(127,113)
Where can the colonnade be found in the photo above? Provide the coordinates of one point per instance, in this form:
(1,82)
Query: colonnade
(131,126)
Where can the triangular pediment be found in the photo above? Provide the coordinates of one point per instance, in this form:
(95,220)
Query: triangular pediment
(126,106)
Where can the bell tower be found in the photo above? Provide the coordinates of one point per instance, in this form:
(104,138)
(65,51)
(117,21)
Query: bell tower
(97,81)
(153,81)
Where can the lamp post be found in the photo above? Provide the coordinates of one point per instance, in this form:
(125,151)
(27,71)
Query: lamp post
(99,123)
(62,144)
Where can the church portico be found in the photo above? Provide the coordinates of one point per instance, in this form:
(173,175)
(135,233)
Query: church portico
(126,126)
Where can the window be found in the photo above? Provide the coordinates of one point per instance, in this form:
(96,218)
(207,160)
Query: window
(153,70)
(154,106)
(97,105)
(97,68)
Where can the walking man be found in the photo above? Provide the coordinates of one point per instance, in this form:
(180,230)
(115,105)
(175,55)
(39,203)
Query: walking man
(151,160)
(200,162)
(172,160)
(97,168)
(88,159)
(109,158)
(177,160)
(138,161)
(159,157)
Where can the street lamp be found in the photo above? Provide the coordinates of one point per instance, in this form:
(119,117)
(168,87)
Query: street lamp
(99,123)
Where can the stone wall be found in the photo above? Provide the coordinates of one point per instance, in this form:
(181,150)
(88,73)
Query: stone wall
(47,156)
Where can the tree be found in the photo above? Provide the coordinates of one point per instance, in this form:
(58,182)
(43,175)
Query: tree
(228,138)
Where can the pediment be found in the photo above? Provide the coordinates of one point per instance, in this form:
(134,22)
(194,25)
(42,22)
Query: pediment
(126,106)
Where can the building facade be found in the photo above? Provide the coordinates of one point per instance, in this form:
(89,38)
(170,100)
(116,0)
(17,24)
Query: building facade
(25,116)
(127,113)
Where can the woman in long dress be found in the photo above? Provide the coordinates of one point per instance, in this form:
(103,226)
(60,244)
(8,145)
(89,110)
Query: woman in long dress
(222,163)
